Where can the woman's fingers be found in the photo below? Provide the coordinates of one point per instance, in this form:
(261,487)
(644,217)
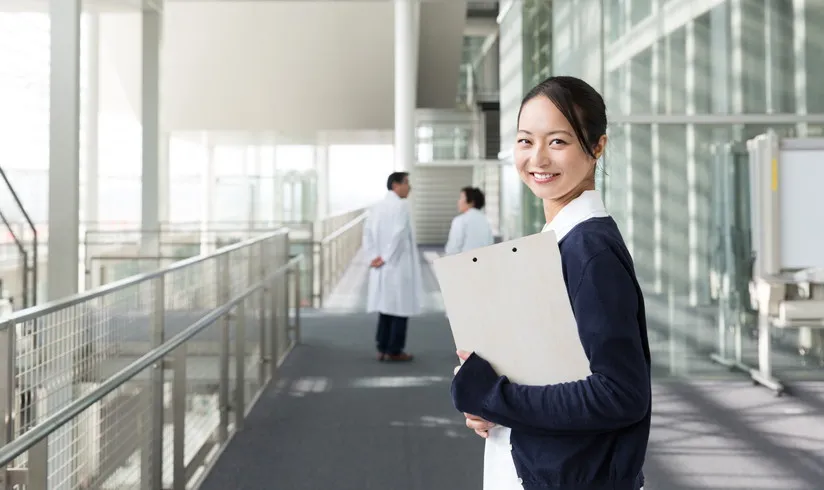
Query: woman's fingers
(479,424)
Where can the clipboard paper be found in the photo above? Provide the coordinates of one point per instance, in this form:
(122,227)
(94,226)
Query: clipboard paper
(509,303)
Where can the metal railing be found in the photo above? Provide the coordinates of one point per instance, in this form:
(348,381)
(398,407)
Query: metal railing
(113,254)
(335,253)
(22,232)
(331,243)
(83,386)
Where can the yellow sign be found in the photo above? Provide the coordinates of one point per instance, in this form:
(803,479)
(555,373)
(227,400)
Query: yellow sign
(775,175)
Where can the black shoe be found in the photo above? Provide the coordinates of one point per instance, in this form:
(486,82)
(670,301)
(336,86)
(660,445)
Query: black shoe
(402,357)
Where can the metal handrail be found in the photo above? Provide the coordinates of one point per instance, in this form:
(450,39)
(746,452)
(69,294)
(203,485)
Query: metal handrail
(343,229)
(22,249)
(41,431)
(334,255)
(52,306)
(34,242)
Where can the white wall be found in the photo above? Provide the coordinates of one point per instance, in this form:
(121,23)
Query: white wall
(286,66)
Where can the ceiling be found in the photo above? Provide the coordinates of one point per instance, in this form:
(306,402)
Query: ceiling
(291,68)
(87,5)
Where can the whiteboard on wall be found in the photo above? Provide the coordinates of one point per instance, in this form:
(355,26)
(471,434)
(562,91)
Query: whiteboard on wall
(800,170)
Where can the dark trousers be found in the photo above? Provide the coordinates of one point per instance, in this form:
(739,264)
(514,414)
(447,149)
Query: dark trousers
(391,335)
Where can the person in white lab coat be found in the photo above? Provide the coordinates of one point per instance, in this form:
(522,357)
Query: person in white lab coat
(395,283)
(470,229)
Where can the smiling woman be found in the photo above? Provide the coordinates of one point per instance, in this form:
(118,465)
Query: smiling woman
(592,433)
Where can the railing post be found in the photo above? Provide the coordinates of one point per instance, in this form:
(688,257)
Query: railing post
(286,278)
(296,335)
(263,265)
(152,451)
(224,290)
(38,466)
(240,365)
(7,366)
(321,275)
(310,266)
(179,419)
(273,316)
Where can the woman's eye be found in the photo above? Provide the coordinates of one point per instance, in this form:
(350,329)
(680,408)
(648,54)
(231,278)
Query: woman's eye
(557,142)
(523,141)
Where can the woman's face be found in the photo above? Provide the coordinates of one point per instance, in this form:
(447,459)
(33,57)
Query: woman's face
(463,205)
(548,156)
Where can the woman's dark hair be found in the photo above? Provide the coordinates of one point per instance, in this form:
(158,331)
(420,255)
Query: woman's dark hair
(580,104)
(475,197)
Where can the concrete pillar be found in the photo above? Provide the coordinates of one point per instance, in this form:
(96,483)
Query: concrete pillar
(92,198)
(208,197)
(150,115)
(164,179)
(63,270)
(253,180)
(277,191)
(405,83)
(322,172)
(64,150)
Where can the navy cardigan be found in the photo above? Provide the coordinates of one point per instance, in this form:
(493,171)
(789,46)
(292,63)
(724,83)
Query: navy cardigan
(590,434)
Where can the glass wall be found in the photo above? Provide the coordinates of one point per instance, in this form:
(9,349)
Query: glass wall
(686,86)
(526,59)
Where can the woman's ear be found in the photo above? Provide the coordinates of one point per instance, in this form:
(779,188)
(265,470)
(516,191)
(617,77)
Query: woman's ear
(600,146)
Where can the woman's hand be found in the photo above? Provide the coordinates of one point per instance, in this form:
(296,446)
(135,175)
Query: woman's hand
(463,356)
(479,425)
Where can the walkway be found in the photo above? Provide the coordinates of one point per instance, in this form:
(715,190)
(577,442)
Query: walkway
(338,419)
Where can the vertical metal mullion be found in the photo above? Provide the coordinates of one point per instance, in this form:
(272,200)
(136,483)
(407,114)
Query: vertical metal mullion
(7,391)
(298,297)
(261,299)
(240,365)
(179,419)
(152,458)
(224,288)
(273,315)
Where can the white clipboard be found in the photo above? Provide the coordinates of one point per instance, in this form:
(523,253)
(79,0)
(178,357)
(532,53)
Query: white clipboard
(509,303)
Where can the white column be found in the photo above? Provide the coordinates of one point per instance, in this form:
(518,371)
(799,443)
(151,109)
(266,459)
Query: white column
(91,211)
(164,179)
(207,206)
(322,172)
(253,179)
(63,270)
(277,191)
(800,49)
(692,184)
(150,114)
(64,150)
(405,82)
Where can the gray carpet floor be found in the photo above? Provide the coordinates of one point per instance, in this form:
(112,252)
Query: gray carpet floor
(338,419)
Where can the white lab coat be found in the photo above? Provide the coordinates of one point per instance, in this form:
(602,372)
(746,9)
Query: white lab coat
(396,288)
(469,230)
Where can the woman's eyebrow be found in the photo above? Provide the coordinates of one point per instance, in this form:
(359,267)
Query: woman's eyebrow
(550,133)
